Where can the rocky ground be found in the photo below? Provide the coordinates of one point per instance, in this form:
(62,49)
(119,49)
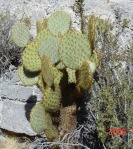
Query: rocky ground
(17,100)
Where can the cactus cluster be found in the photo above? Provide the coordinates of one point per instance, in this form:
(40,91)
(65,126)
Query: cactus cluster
(59,57)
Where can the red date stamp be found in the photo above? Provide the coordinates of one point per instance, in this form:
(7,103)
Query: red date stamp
(118,131)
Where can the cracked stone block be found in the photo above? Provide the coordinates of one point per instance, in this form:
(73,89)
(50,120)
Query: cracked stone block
(14,116)
(16,102)
(13,89)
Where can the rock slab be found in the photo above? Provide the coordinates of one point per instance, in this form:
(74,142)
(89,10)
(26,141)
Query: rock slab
(14,116)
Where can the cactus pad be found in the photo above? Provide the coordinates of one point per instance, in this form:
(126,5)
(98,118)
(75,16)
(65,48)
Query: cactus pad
(60,66)
(48,71)
(45,23)
(92,31)
(74,49)
(41,84)
(20,34)
(51,99)
(39,26)
(95,58)
(27,78)
(71,75)
(30,57)
(51,131)
(59,23)
(45,33)
(37,118)
(49,47)
(85,79)
(58,76)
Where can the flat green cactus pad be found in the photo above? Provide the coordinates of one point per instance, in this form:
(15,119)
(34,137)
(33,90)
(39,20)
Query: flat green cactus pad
(57,76)
(74,49)
(92,31)
(59,23)
(45,23)
(27,78)
(37,118)
(60,66)
(45,33)
(41,84)
(20,34)
(39,26)
(71,75)
(49,47)
(30,57)
(51,99)
(85,79)
(51,131)
(48,71)
(95,59)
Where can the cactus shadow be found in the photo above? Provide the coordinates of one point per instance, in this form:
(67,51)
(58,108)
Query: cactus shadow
(29,105)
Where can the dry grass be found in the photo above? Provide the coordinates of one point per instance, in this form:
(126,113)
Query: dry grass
(15,140)
(10,143)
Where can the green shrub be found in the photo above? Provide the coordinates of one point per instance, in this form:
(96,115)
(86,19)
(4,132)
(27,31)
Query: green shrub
(8,52)
(112,102)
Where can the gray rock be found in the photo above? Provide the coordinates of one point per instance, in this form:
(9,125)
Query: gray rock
(14,116)
(1,136)
(16,102)
(13,89)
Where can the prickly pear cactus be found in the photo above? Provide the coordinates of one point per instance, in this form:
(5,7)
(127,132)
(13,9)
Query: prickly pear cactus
(71,75)
(51,131)
(92,30)
(40,26)
(51,99)
(30,57)
(74,49)
(59,23)
(26,77)
(20,34)
(85,76)
(37,118)
(41,84)
(61,63)
(49,47)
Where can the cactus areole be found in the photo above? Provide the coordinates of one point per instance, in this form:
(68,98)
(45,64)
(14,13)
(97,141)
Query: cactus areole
(61,63)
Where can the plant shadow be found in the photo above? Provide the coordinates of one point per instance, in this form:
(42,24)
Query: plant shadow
(29,105)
